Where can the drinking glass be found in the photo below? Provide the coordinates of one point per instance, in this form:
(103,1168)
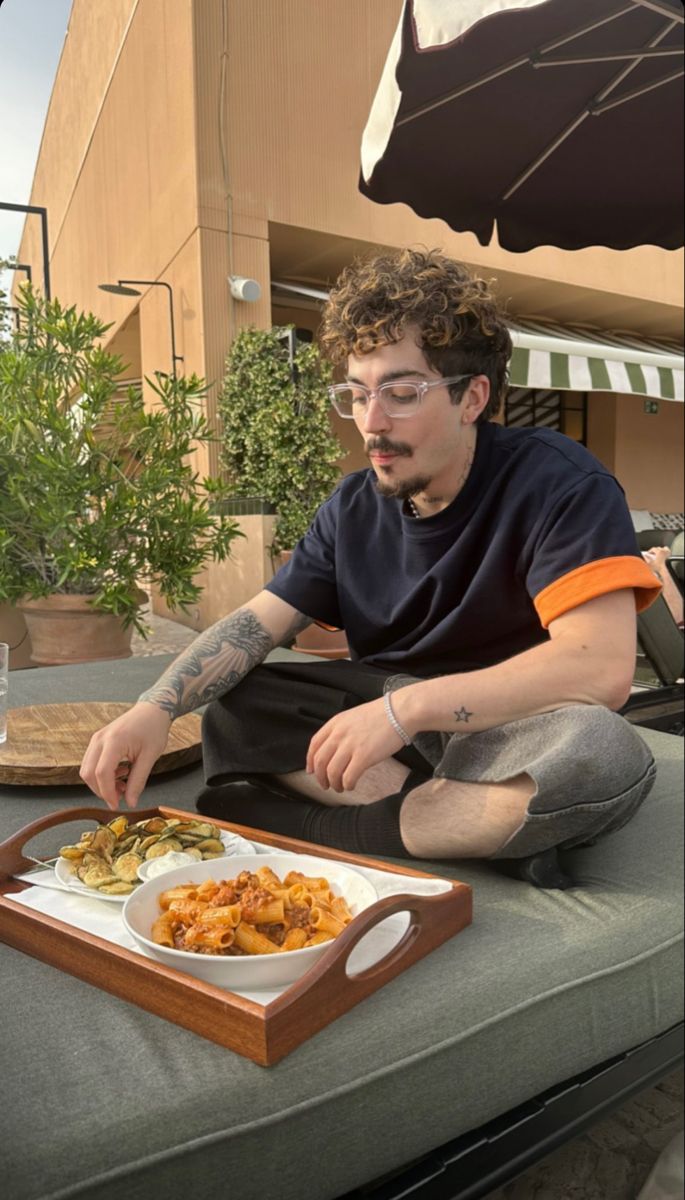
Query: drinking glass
(4,670)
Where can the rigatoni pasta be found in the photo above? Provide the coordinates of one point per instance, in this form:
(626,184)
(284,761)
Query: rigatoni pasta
(255,913)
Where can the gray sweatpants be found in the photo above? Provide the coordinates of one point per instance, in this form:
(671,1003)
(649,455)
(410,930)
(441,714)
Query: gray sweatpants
(590,768)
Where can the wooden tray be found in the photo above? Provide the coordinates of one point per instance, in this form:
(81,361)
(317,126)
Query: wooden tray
(264,1033)
(46,742)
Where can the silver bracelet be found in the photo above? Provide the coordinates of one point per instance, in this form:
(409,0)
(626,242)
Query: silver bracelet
(393,720)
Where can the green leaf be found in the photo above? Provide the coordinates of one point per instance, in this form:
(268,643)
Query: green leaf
(95,491)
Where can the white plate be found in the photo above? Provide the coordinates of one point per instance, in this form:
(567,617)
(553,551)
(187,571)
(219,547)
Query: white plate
(232,841)
(253,972)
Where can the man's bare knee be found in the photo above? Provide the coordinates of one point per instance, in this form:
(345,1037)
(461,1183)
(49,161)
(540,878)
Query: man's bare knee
(445,818)
(379,781)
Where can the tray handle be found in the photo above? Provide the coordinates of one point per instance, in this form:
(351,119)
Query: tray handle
(13,861)
(325,991)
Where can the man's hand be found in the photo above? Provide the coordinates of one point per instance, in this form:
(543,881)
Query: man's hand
(657,558)
(120,757)
(349,744)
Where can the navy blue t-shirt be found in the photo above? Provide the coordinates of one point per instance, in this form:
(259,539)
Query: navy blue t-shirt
(539,528)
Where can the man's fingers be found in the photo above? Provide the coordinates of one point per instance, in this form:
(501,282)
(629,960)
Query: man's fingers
(337,769)
(314,746)
(351,777)
(337,766)
(119,757)
(109,787)
(104,770)
(320,762)
(137,778)
(89,762)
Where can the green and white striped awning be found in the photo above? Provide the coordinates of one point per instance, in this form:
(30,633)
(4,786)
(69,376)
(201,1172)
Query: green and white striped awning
(573,359)
(568,360)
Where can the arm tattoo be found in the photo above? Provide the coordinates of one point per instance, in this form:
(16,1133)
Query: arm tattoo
(218,659)
(298,623)
(462,714)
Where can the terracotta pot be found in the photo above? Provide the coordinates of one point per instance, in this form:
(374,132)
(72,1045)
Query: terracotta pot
(326,643)
(13,631)
(66,629)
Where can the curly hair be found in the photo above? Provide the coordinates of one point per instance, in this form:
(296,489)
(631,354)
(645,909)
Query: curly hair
(461,327)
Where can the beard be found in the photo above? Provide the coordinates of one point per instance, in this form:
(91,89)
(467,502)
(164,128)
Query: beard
(399,489)
(402,489)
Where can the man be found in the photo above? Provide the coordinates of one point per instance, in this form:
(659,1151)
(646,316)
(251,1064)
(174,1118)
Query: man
(487,579)
(657,559)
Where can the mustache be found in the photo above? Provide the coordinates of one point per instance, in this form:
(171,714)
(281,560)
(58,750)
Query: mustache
(385,446)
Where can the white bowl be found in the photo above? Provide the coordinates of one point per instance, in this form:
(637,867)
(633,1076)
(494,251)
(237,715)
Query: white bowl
(253,972)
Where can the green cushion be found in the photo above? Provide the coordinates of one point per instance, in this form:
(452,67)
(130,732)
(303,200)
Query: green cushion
(105,1101)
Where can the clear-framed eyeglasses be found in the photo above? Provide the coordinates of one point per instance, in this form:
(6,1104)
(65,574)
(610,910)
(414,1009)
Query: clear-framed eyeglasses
(398,398)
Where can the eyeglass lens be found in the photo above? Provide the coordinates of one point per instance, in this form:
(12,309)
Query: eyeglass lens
(396,399)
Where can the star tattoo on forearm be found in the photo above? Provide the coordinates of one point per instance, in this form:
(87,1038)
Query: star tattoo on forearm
(461,714)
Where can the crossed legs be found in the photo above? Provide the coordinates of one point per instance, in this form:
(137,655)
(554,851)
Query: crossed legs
(561,779)
(441,818)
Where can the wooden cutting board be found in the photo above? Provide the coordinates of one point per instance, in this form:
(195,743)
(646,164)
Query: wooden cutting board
(46,742)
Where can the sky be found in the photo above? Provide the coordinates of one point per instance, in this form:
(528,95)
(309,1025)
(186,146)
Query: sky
(32,34)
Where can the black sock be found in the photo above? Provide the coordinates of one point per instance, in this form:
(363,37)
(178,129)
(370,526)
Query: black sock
(543,870)
(359,829)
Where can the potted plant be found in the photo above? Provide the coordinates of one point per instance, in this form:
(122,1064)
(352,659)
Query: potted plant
(277,444)
(96,493)
(12,625)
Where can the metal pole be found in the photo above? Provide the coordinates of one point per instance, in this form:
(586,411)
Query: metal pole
(162,283)
(174,355)
(43,213)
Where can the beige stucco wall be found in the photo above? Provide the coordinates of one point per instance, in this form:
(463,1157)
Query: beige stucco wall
(89,58)
(649,454)
(601,427)
(229,584)
(148,174)
(116,168)
(643,450)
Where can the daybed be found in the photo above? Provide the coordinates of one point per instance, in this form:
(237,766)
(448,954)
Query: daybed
(453,1075)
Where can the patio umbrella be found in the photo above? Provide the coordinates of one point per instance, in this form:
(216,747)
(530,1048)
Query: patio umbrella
(561,120)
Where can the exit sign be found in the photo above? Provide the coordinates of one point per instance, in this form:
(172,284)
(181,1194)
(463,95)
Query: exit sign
(651,406)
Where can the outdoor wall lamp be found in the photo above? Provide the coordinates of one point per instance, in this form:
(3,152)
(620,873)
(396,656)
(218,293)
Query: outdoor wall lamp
(43,212)
(122,288)
(244,289)
(21,267)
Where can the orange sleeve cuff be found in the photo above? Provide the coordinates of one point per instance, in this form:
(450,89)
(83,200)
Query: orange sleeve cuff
(597,579)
